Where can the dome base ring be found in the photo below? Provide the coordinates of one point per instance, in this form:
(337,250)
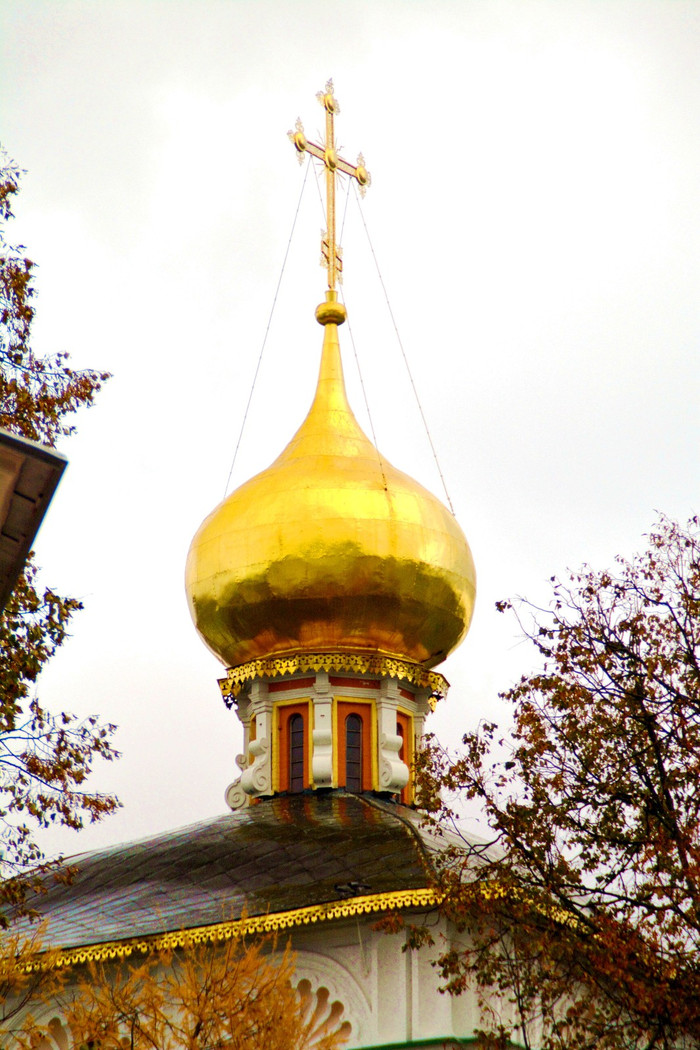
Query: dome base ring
(357,663)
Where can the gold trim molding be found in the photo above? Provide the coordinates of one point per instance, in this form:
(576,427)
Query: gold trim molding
(355,663)
(256,924)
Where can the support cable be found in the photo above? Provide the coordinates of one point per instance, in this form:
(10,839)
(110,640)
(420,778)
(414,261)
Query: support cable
(267,331)
(405,359)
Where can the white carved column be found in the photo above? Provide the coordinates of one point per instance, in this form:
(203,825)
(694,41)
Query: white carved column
(322,737)
(422,710)
(256,764)
(257,776)
(393,773)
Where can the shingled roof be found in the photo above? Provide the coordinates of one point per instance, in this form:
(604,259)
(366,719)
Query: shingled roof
(277,855)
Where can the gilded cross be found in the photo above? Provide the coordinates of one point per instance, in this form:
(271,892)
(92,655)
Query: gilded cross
(334,165)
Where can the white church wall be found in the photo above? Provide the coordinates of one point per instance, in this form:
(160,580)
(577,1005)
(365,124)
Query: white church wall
(392,997)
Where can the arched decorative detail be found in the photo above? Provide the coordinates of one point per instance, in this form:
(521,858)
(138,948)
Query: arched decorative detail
(342,984)
(56,1037)
(321,1011)
(322,1015)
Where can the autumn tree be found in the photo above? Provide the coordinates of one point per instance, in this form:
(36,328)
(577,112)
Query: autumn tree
(237,995)
(27,976)
(44,758)
(581,914)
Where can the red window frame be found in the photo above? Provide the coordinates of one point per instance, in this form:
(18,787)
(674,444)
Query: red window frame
(364,712)
(284,717)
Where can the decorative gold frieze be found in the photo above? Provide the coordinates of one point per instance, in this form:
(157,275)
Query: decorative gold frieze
(357,663)
(370,904)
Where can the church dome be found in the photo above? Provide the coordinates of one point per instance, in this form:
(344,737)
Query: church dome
(331,549)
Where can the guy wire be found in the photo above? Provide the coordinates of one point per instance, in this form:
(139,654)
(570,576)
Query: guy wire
(405,359)
(267,330)
(357,360)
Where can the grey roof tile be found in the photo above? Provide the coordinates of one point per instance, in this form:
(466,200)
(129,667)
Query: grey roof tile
(278,854)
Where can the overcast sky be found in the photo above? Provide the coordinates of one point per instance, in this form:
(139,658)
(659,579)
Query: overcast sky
(536,218)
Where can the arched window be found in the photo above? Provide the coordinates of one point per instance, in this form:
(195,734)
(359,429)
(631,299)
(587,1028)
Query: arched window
(354,741)
(353,753)
(290,757)
(296,753)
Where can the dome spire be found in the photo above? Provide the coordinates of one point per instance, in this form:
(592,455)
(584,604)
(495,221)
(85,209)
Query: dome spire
(331,253)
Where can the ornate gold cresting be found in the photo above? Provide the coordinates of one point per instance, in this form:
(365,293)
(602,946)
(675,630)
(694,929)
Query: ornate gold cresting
(331,254)
(352,663)
(371,904)
(420,898)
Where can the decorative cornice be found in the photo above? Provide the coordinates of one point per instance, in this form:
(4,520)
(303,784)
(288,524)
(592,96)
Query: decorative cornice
(356,663)
(224,931)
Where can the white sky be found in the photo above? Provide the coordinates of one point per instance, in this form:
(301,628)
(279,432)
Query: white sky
(536,217)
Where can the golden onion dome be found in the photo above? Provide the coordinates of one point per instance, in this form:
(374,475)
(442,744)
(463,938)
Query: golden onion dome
(331,549)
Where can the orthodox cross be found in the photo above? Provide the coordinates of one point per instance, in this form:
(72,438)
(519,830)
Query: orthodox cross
(331,257)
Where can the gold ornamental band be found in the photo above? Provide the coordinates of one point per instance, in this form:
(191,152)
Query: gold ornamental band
(370,904)
(356,663)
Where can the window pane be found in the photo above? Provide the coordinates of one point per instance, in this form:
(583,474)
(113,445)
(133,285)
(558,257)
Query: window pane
(353,753)
(296,753)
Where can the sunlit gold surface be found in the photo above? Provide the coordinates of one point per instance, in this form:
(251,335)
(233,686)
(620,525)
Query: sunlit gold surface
(331,548)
